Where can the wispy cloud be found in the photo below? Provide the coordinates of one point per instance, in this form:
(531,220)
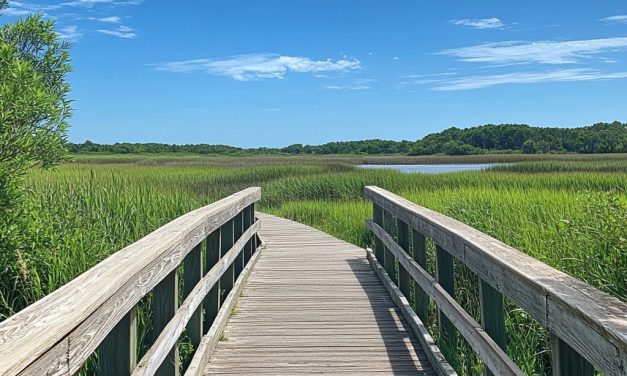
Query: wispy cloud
(70,33)
(259,66)
(111,19)
(20,8)
(359,84)
(484,23)
(621,18)
(543,52)
(561,75)
(76,11)
(121,32)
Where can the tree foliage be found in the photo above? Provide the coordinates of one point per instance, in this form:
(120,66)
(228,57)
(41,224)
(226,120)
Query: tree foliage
(33,120)
(33,100)
(598,138)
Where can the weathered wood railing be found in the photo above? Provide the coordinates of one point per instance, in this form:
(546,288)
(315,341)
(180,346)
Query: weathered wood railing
(96,311)
(588,327)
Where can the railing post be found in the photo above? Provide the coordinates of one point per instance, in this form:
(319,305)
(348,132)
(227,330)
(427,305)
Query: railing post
(446,278)
(566,361)
(390,261)
(226,242)
(403,240)
(421,299)
(238,230)
(212,301)
(248,221)
(377,216)
(254,242)
(118,351)
(165,301)
(192,274)
(492,316)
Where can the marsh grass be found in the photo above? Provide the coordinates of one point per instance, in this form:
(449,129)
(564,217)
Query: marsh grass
(573,220)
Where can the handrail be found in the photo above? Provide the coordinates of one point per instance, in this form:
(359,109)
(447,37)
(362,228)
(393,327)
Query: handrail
(56,334)
(587,325)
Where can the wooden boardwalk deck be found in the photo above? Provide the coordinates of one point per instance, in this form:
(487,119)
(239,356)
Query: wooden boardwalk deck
(313,304)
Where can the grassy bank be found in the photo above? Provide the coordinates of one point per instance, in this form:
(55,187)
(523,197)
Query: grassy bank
(570,214)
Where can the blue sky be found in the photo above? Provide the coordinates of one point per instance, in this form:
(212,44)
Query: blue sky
(273,73)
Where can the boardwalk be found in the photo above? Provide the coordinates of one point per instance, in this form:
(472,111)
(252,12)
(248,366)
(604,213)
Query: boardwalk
(314,305)
(305,302)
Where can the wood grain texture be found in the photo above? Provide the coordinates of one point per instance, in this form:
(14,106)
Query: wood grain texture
(208,343)
(492,355)
(193,272)
(86,309)
(432,351)
(158,353)
(313,304)
(421,300)
(592,322)
(117,354)
(403,241)
(165,301)
(212,301)
(567,362)
(446,278)
(492,316)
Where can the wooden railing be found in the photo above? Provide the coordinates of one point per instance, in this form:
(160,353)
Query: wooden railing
(588,327)
(214,245)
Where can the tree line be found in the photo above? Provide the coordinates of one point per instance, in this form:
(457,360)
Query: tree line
(490,138)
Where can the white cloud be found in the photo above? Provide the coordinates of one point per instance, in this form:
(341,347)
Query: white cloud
(543,52)
(563,75)
(121,32)
(111,19)
(360,84)
(70,33)
(622,18)
(259,66)
(485,23)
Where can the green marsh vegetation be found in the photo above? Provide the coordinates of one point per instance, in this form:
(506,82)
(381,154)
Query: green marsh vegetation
(570,214)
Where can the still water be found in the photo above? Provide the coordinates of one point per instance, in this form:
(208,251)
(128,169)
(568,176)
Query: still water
(434,168)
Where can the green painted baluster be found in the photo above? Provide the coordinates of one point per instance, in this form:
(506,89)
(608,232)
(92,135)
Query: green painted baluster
(403,241)
(446,278)
(421,299)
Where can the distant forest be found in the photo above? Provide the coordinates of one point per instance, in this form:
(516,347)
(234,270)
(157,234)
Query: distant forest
(491,138)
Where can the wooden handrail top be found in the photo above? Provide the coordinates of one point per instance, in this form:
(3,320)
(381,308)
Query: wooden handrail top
(88,307)
(591,321)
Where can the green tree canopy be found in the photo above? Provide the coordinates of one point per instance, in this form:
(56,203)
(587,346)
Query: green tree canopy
(33,100)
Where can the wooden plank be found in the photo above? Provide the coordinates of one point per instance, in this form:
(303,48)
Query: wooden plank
(567,362)
(389,263)
(192,267)
(314,300)
(249,218)
(160,351)
(599,318)
(212,301)
(446,278)
(435,356)
(378,246)
(226,242)
(238,230)
(421,299)
(86,309)
(117,354)
(492,316)
(403,240)
(492,355)
(165,301)
(202,355)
